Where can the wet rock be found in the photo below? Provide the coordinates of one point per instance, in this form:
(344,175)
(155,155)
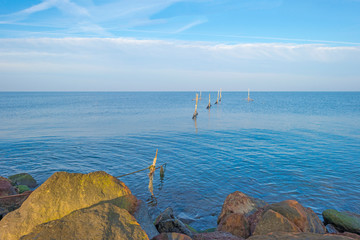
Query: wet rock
(274,222)
(331,229)
(101,221)
(185,218)
(235,224)
(62,194)
(298,236)
(238,202)
(167,222)
(343,221)
(143,218)
(216,236)
(23,179)
(6,188)
(304,218)
(171,236)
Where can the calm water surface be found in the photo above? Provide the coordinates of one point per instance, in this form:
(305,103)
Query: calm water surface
(287,145)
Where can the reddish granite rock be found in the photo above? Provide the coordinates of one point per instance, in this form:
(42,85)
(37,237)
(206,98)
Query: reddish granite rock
(6,188)
(216,236)
(171,236)
(238,202)
(304,218)
(235,224)
(274,222)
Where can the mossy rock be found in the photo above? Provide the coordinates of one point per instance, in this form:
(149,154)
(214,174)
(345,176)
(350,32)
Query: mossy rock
(62,194)
(23,188)
(343,221)
(23,179)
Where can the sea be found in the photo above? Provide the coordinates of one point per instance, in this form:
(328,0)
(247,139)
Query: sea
(283,145)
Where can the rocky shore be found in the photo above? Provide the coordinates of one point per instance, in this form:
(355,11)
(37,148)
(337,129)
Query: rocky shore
(99,206)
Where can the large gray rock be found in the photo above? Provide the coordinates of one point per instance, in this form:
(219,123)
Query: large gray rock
(143,218)
(343,221)
(102,221)
(62,194)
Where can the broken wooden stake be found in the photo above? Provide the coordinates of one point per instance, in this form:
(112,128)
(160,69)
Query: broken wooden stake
(196,113)
(209,105)
(217,100)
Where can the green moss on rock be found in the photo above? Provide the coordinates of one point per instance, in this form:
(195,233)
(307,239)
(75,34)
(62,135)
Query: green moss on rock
(344,221)
(23,179)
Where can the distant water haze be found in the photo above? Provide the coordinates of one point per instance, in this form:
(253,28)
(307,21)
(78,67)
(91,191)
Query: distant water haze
(283,145)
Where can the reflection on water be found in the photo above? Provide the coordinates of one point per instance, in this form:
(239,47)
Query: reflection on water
(303,146)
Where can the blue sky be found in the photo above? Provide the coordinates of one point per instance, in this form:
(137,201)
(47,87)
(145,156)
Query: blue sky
(265,45)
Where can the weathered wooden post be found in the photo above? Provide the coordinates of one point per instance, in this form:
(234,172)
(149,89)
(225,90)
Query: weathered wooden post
(249,99)
(209,105)
(217,100)
(152,167)
(220,96)
(196,113)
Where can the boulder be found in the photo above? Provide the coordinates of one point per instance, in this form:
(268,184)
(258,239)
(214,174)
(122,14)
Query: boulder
(171,236)
(236,224)
(101,221)
(3,212)
(62,194)
(304,218)
(167,222)
(6,188)
(217,235)
(23,179)
(274,222)
(343,221)
(143,218)
(238,202)
(298,236)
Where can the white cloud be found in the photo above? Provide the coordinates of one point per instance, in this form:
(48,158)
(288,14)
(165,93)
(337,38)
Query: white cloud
(132,64)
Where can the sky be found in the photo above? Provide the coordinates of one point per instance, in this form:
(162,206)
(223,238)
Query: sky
(179,45)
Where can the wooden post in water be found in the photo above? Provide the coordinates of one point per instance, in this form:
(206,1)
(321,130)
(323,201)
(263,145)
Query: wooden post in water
(249,99)
(196,113)
(209,105)
(152,167)
(200,96)
(217,100)
(220,96)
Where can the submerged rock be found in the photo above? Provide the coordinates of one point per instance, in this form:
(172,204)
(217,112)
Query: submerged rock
(6,188)
(343,221)
(167,222)
(23,179)
(101,221)
(62,194)
(143,218)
